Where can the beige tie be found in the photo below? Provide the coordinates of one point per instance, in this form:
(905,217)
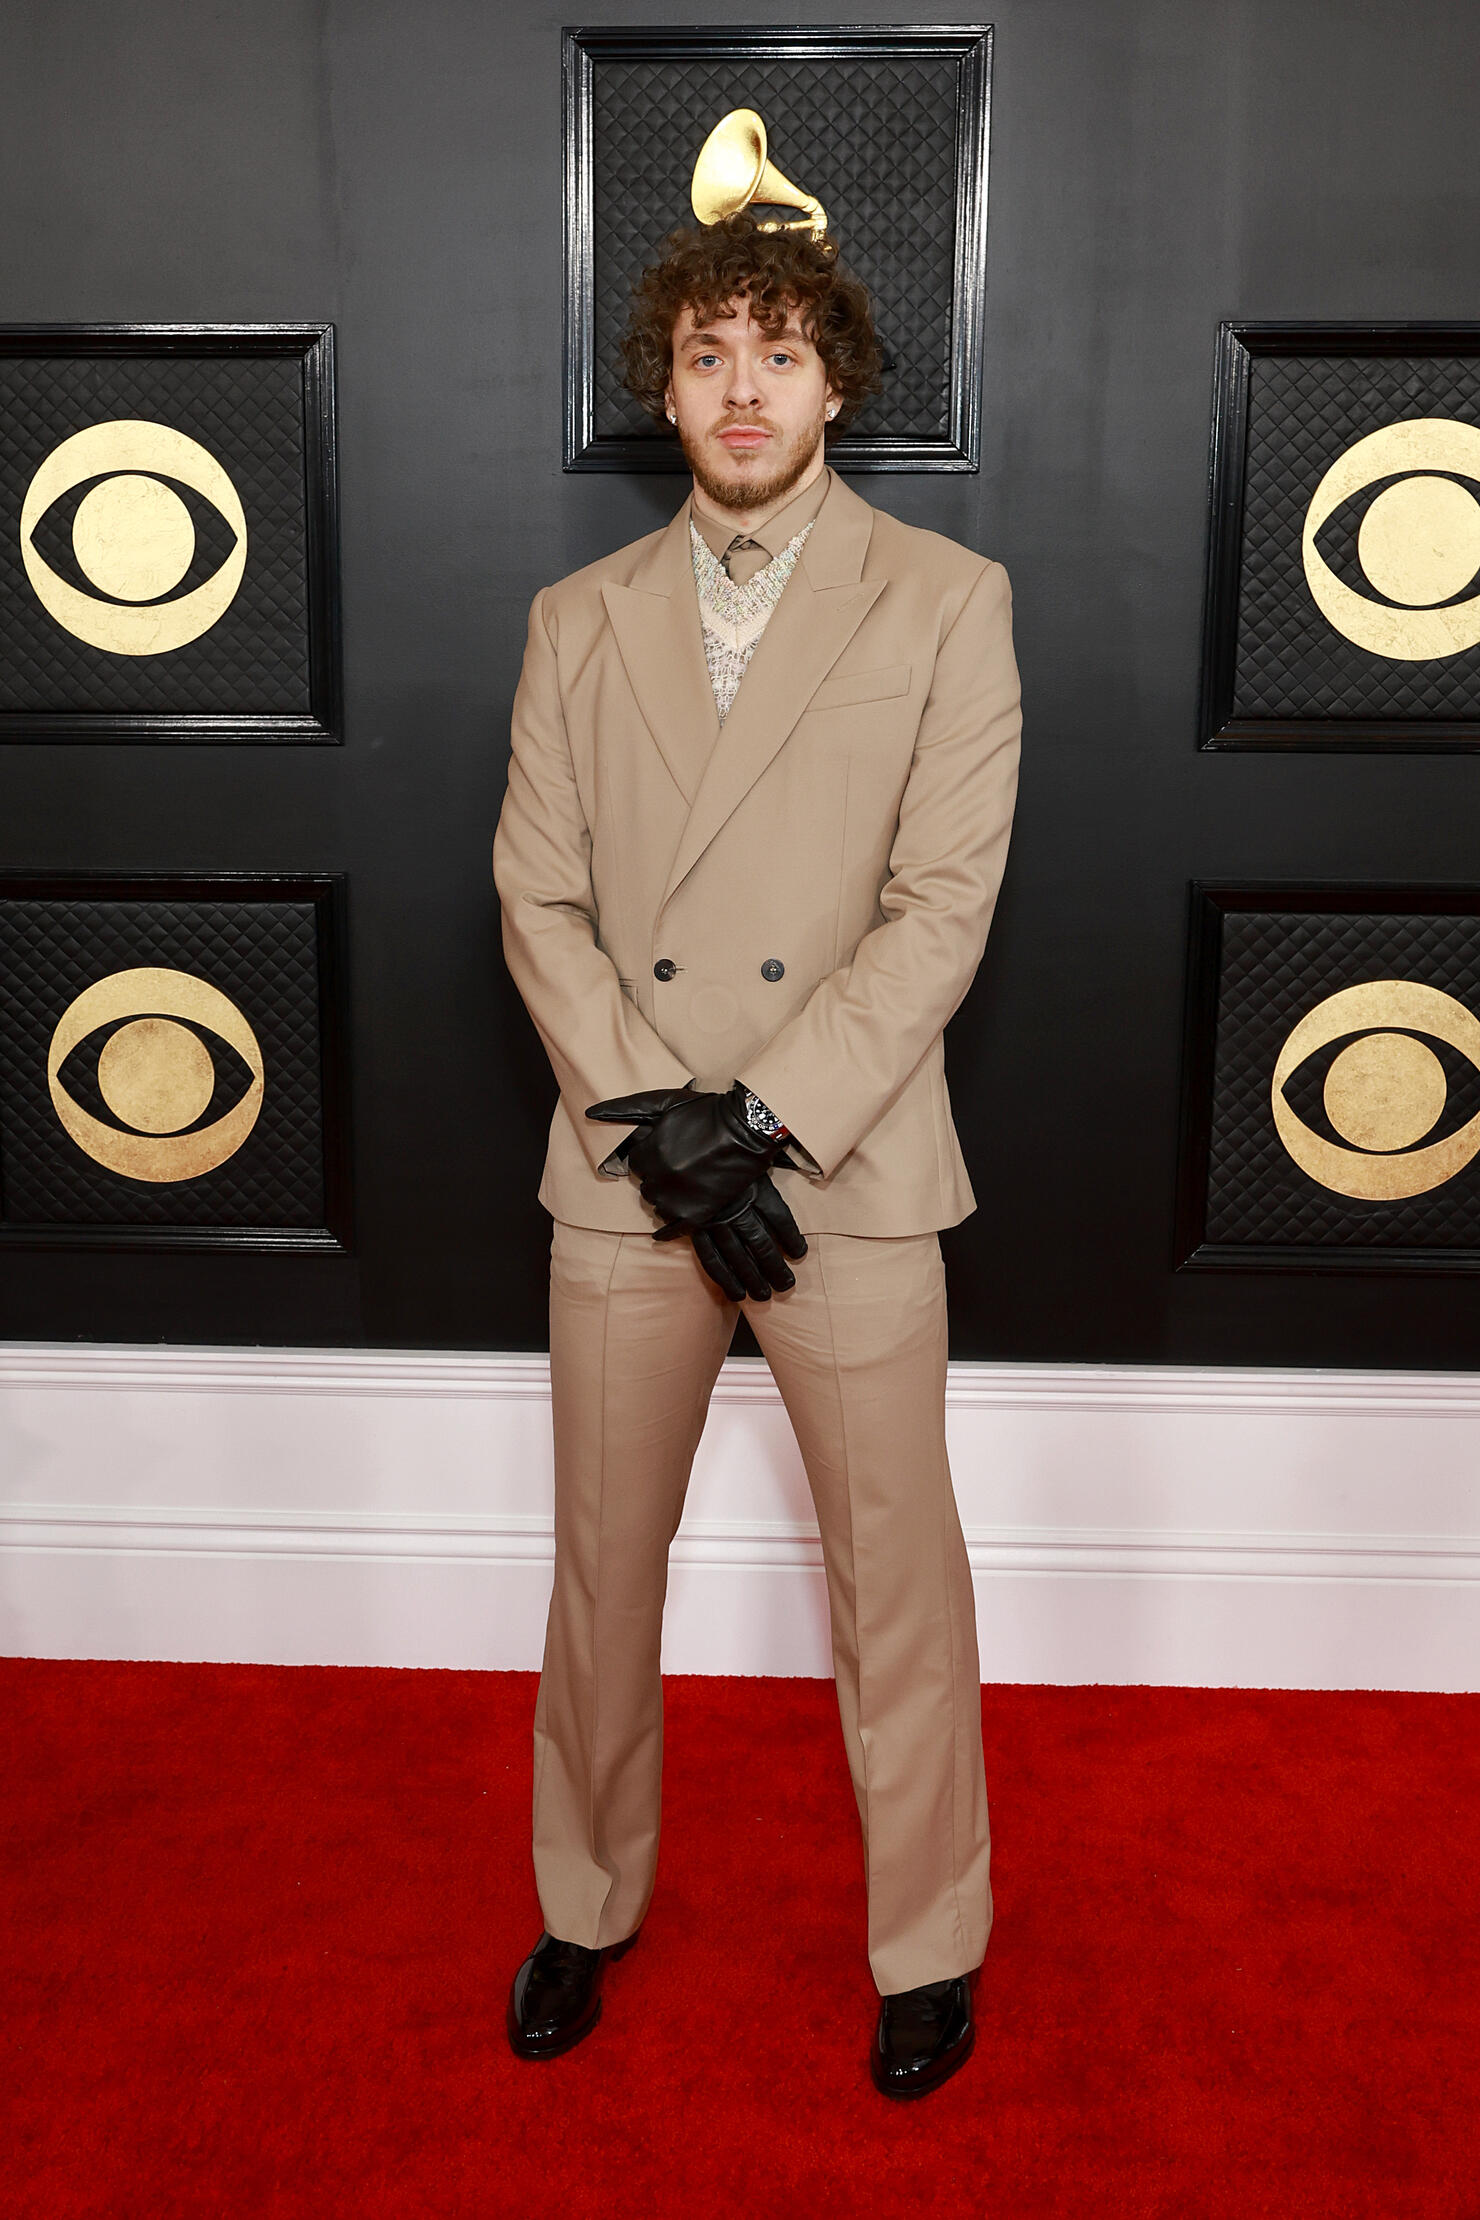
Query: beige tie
(743,558)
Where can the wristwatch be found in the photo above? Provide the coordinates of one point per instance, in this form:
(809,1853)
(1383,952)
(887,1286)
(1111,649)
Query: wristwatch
(762,1120)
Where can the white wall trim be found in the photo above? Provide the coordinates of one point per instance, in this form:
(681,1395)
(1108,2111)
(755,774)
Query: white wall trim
(971,1385)
(523,1538)
(1176,1524)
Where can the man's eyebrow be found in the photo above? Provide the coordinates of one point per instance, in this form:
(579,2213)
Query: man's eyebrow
(708,338)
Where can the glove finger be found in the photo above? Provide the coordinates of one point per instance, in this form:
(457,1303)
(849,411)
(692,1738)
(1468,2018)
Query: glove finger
(740,1261)
(770,1207)
(638,1109)
(673,1232)
(715,1265)
(751,1230)
(638,1152)
(657,1193)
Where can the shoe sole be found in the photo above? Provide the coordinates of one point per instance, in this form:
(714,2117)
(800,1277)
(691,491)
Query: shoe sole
(908,2092)
(535,2054)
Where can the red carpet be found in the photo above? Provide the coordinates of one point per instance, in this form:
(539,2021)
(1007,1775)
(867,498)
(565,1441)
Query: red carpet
(259,1926)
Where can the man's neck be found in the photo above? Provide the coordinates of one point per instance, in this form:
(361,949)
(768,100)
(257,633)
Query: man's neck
(750,520)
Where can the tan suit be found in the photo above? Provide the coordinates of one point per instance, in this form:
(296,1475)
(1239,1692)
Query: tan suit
(800,900)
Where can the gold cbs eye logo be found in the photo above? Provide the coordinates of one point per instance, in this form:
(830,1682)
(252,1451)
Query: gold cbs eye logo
(1418,542)
(156,1074)
(133,537)
(1383,1092)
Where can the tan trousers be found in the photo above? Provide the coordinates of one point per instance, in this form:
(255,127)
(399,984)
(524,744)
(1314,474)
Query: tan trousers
(858,1350)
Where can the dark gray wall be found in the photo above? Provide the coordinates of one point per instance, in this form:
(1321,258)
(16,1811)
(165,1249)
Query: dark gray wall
(395,165)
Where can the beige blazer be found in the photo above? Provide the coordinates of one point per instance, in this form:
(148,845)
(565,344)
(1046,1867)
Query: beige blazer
(799,900)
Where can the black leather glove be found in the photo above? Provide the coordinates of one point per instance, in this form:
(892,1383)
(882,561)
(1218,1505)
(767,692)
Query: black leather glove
(694,1154)
(741,1250)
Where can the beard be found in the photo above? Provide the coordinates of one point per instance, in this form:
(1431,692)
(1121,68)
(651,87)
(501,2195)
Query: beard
(748,490)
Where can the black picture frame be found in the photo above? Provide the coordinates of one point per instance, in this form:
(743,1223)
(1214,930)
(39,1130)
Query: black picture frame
(1209,905)
(585,50)
(327,893)
(1221,726)
(311,345)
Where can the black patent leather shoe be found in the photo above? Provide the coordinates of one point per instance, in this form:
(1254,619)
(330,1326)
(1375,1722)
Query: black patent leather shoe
(556,1998)
(923,2037)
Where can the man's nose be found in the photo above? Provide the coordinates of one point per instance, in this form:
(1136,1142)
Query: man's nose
(742,391)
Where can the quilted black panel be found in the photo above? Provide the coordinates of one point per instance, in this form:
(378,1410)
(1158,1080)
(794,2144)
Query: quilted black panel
(1304,411)
(247,411)
(1276,966)
(264,956)
(874,139)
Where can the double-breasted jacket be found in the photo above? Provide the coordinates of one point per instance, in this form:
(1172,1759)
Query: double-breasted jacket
(798,898)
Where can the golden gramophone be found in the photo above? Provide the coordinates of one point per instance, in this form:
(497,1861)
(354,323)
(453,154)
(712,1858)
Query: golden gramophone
(732,171)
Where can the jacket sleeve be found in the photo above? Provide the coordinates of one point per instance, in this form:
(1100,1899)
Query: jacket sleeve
(836,1066)
(596,1038)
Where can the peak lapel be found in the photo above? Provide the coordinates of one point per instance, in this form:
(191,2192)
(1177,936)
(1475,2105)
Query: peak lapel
(825,601)
(656,623)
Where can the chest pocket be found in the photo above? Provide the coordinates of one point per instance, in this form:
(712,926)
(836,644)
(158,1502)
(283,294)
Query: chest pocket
(857,687)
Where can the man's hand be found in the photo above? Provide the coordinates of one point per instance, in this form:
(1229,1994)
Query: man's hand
(694,1154)
(742,1250)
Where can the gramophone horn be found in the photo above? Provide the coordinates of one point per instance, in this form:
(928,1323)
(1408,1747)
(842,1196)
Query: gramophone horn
(732,171)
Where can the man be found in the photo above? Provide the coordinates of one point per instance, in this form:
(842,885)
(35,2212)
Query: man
(764,764)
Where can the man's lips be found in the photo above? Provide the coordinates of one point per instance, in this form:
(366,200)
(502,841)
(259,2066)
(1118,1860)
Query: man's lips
(742,441)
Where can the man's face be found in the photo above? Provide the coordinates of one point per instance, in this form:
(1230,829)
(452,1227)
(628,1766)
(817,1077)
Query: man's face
(749,405)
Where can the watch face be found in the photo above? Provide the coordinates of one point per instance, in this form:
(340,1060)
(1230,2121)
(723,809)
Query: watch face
(759,1118)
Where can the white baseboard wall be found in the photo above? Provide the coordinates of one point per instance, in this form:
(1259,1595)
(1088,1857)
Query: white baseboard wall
(1126,1524)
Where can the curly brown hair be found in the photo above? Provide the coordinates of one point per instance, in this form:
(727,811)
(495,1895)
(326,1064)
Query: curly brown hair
(780,271)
